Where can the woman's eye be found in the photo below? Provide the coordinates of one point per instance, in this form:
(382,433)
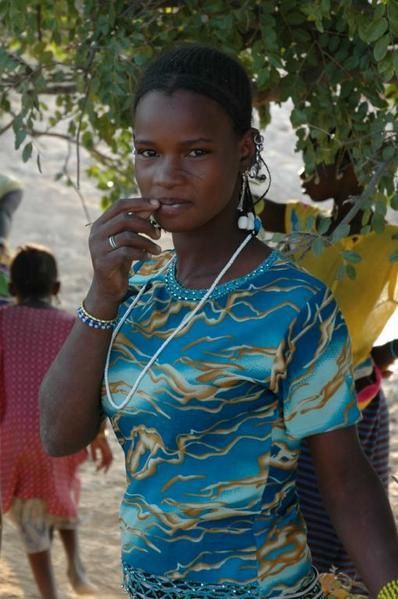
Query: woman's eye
(145,153)
(198,152)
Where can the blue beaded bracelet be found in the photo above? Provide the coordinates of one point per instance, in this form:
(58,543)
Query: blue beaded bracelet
(92,321)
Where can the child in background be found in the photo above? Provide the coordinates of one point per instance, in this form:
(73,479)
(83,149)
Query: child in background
(40,493)
(10,198)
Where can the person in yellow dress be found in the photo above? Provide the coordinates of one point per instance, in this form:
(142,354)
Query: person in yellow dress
(367,299)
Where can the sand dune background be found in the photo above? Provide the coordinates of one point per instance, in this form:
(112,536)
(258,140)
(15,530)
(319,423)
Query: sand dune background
(52,214)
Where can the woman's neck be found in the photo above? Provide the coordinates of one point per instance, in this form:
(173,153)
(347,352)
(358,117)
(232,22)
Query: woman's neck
(201,257)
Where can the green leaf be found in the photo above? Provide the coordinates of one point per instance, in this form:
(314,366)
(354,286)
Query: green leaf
(381,47)
(20,136)
(323,225)
(394,201)
(38,162)
(351,272)
(340,232)
(352,257)
(298,117)
(366,216)
(378,223)
(317,246)
(392,10)
(375,29)
(27,152)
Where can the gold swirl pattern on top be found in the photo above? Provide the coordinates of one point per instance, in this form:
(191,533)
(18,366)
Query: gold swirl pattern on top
(212,435)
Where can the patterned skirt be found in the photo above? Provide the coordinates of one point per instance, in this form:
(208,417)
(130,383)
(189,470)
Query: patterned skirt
(141,585)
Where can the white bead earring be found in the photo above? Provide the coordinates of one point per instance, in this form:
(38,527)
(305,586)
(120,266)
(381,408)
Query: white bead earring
(247,218)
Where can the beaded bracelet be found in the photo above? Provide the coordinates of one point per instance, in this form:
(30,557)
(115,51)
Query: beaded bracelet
(389,590)
(392,350)
(92,321)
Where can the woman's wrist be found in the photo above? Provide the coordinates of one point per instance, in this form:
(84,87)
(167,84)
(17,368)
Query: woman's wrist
(92,321)
(99,306)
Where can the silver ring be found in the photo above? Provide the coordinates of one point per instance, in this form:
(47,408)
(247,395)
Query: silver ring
(112,242)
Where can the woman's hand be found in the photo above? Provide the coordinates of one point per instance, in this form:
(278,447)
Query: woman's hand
(119,236)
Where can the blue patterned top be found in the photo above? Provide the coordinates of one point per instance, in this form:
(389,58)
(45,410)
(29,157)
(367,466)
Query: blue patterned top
(212,435)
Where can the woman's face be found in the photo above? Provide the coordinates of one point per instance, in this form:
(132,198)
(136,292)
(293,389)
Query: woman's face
(188,156)
(327,183)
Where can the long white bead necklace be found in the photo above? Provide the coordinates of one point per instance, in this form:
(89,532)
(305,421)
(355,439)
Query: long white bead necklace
(182,324)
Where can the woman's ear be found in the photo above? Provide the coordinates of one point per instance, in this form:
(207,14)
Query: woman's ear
(247,149)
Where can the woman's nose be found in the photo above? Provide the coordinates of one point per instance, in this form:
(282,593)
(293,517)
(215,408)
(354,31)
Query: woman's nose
(168,172)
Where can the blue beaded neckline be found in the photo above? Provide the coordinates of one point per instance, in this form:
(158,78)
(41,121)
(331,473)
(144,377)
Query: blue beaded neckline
(185,293)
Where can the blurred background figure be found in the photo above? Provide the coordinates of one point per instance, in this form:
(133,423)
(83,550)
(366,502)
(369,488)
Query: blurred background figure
(39,492)
(367,300)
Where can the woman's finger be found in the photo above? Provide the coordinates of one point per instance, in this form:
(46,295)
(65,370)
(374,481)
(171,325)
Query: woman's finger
(139,206)
(133,240)
(128,221)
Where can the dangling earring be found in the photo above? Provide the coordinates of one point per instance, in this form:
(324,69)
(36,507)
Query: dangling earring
(259,164)
(247,220)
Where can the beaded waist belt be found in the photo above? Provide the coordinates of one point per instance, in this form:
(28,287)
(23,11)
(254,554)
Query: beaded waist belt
(141,585)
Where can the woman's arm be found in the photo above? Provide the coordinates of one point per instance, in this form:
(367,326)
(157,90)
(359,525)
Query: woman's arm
(357,504)
(70,392)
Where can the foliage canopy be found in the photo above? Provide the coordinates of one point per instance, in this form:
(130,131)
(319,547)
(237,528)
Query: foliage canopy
(337,60)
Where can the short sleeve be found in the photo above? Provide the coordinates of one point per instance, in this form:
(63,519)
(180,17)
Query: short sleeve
(317,388)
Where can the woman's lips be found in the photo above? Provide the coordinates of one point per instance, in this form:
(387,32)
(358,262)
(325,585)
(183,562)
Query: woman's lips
(172,205)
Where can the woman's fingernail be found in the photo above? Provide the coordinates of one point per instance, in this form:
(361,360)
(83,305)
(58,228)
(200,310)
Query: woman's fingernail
(154,202)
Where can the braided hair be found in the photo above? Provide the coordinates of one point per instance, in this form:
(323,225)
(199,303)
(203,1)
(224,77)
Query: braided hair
(33,271)
(206,71)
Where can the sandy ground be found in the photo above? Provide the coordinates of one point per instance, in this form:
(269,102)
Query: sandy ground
(52,214)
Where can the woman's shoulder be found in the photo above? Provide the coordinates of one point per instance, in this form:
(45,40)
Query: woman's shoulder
(285,269)
(291,285)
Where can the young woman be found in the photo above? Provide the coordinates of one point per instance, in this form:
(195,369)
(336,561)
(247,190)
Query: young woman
(223,357)
(39,492)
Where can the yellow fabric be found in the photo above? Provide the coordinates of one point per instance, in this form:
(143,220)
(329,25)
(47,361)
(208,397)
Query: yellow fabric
(366,302)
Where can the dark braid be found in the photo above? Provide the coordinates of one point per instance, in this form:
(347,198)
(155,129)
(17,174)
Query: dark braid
(206,71)
(33,271)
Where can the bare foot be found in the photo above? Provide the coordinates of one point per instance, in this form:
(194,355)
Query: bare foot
(81,583)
